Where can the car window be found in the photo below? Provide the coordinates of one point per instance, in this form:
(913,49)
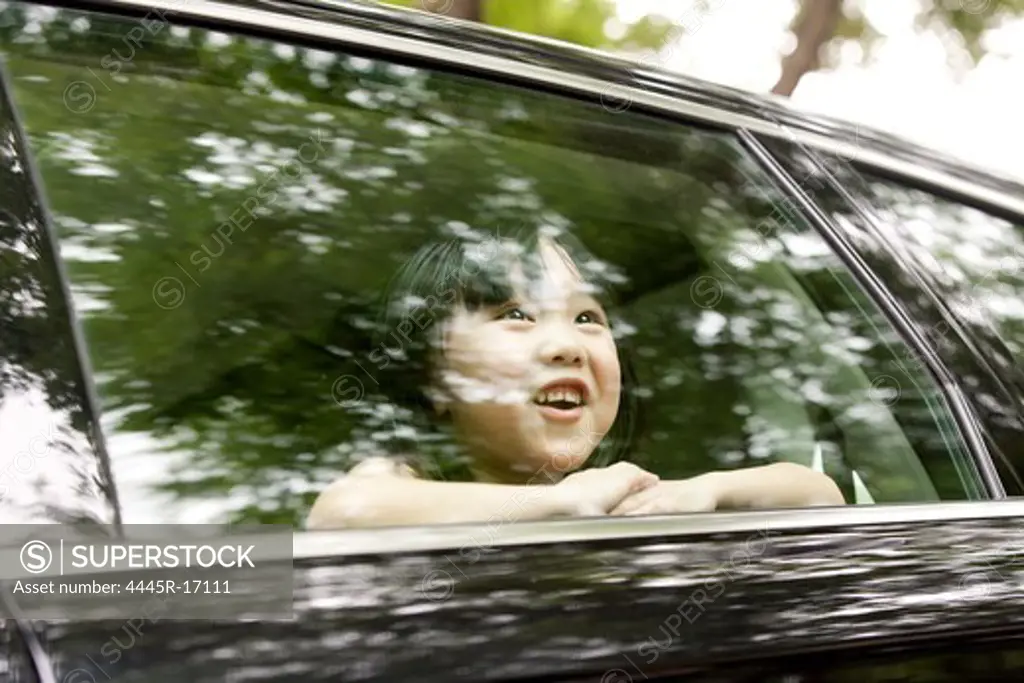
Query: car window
(980,254)
(909,236)
(231,211)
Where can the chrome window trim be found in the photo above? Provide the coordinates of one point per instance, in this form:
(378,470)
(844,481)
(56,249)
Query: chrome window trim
(466,537)
(644,100)
(986,463)
(926,176)
(966,421)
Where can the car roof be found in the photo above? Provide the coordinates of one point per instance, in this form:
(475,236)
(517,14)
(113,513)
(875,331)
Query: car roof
(478,42)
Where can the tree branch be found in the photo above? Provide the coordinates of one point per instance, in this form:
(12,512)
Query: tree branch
(815,26)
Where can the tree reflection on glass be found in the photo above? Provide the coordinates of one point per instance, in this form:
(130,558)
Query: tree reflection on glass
(231,209)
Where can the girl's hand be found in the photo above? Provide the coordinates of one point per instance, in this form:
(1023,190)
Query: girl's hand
(775,486)
(698,494)
(595,492)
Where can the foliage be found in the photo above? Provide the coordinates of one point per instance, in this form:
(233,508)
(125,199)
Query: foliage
(969,19)
(961,23)
(582,22)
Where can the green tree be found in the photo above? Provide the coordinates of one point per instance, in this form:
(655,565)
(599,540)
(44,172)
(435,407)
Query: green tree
(821,26)
(583,22)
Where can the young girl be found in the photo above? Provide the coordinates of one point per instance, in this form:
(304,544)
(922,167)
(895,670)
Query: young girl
(504,342)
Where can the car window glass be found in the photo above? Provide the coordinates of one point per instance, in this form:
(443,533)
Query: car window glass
(980,254)
(878,214)
(231,210)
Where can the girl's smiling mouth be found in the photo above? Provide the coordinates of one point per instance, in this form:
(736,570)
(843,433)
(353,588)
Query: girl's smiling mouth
(562,400)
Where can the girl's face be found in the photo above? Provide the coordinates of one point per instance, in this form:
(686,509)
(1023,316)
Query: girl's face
(532,385)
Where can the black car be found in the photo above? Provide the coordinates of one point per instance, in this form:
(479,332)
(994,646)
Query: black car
(201,202)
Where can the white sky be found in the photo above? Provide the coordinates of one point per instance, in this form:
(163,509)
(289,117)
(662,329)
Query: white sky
(907,89)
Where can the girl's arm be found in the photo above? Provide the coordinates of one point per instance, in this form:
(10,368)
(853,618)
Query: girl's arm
(779,485)
(377,493)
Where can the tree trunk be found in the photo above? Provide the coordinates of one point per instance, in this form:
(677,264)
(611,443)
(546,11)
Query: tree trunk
(469,10)
(815,26)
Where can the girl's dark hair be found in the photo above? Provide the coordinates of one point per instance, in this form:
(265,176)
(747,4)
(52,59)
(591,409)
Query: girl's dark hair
(474,271)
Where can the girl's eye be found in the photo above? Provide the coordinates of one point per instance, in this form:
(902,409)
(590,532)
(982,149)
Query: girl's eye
(590,318)
(515,313)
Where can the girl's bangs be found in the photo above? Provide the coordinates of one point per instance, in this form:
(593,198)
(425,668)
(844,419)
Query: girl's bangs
(507,268)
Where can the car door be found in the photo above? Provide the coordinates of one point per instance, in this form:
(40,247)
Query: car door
(222,211)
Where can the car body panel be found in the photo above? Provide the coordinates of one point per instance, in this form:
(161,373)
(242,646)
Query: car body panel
(927,592)
(718,607)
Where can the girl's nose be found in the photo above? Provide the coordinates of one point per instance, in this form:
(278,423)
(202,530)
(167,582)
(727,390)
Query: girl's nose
(562,349)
